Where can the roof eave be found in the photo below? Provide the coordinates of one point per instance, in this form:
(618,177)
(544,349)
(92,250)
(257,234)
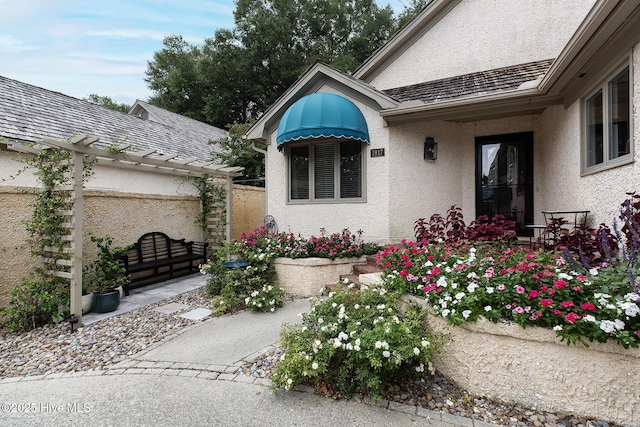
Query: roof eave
(609,29)
(316,76)
(508,104)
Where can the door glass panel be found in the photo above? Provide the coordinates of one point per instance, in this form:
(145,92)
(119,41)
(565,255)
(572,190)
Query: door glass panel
(505,179)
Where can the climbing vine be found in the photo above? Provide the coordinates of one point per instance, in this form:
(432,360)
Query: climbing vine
(42,296)
(212,197)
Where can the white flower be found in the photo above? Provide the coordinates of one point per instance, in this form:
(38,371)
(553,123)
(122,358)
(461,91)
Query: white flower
(489,290)
(320,321)
(445,312)
(386,354)
(557,328)
(472,287)
(314,365)
(590,318)
(425,343)
(342,336)
(630,308)
(487,308)
(607,326)
(593,271)
(618,324)
(416,351)
(466,314)
(460,295)
(357,306)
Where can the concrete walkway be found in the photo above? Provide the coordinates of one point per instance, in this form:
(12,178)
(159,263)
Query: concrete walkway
(193,379)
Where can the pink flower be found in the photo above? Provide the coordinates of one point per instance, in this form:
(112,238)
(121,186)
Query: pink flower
(520,289)
(518,310)
(546,302)
(501,287)
(588,306)
(572,317)
(489,272)
(576,288)
(559,284)
(533,294)
(581,277)
(567,304)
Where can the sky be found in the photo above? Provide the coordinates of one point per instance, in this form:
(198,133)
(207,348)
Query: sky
(83,47)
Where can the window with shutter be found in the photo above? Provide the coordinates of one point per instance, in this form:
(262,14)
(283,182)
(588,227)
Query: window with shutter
(333,170)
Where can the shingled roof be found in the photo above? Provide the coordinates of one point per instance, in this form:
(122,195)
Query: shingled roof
(30,113)
(471,85)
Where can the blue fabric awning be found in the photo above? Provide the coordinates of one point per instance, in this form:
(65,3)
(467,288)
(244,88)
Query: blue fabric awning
(322,115)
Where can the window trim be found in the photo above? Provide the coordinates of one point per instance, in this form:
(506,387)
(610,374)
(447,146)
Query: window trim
(603,86)
(337,199)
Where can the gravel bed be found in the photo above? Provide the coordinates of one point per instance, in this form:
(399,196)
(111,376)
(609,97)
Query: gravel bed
(53,349)
(437,393)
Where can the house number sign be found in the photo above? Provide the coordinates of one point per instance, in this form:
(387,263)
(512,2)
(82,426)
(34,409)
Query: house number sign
(377,152)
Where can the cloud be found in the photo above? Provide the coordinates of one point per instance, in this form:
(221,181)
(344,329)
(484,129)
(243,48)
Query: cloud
(11,44)
(124,33)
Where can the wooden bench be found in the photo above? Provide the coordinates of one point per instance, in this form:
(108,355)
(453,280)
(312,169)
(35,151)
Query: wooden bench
(156,257)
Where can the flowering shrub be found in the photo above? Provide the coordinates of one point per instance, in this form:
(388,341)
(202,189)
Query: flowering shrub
(355,342)
(267,298)
(263,245)
(530,288)
(237,288)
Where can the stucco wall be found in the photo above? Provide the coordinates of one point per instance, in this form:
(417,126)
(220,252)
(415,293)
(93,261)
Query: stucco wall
(371,216)
(121,203)
(557,150)
(308,276)
(124,216)
(533,368)
(485,34)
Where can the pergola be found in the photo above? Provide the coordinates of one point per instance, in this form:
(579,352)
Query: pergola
(118,156)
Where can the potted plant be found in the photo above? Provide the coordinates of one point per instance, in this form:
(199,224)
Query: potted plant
(87,296)
(104,276)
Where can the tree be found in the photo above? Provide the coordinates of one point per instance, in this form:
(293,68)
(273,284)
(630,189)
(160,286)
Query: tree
(237,151)
(107,102)
(174,79)
(411,10)
(238,73)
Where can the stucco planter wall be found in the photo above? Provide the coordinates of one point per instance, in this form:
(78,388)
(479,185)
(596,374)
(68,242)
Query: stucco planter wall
(306,276)
(533,368)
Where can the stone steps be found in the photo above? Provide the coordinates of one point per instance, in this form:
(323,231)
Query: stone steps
(362,274)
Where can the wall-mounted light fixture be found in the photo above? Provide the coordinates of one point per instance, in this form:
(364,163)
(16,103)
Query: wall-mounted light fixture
(430,149)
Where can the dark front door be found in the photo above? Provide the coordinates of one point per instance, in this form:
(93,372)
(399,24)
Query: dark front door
(504,177)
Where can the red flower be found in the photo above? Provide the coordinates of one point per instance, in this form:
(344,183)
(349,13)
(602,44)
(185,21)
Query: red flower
(546,302)
(571,317)
(567,304)
(560,283)
(588,306)
(558,312)
(533,294)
